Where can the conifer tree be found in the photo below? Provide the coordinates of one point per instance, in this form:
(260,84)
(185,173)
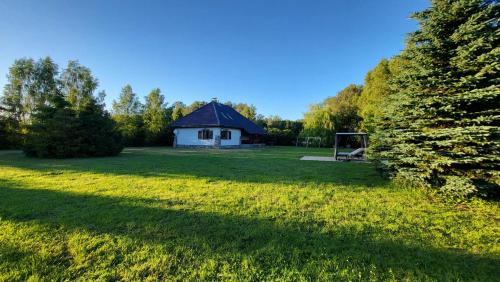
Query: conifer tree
(97,132)
(441,127)
(53,132)
(59,131)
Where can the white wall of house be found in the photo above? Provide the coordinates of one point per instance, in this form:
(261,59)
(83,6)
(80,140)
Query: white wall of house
(235,138)
(189,137)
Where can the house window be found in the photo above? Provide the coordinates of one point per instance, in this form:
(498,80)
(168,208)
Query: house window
(205,134)
(225,134)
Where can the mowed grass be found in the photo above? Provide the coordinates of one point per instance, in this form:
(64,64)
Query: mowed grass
(178,214)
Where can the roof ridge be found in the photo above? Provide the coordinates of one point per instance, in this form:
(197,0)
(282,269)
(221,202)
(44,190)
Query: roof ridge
(216,114)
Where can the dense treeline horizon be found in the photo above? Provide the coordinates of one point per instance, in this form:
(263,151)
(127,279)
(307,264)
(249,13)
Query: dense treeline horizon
(141,125)
(43,112)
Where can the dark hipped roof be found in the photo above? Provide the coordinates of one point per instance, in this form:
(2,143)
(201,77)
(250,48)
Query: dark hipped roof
(218,115)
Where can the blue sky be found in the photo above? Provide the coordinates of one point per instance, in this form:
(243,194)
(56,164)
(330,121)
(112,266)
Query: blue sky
(280,56)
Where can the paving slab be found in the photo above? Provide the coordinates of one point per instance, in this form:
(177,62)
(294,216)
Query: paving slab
(316,158)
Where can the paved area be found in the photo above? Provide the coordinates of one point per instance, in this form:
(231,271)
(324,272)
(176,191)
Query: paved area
(315,158)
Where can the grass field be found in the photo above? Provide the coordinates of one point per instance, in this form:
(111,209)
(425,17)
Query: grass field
(166,214)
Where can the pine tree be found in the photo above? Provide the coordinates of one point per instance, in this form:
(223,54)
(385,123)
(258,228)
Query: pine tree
(97,132)
(59,131)
(441,128)
(53,132)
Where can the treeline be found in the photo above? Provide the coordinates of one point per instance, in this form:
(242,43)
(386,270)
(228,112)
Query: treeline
(146,124)
(433,111)
(280,132)
(49,113)
(52,114)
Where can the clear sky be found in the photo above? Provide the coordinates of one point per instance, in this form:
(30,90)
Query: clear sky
(280,56)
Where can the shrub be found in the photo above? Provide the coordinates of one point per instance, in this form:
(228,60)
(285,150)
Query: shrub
(57,131)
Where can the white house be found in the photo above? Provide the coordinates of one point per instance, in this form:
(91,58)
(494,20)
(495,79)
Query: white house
(215,125)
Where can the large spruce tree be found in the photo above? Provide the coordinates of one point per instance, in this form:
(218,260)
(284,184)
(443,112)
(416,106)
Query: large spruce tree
(441,128)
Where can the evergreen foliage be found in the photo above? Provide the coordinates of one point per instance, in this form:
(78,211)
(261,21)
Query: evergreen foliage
(58,131)
(53,132)
(4,136)
(441,127)
(98,133)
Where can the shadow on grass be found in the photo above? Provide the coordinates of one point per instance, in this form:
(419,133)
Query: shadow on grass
(266,240)
(273,165)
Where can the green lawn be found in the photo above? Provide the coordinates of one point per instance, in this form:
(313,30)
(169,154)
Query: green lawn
(177,214)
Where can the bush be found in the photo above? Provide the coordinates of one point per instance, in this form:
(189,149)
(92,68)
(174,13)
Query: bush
(131,127)
(57,131)
(279,137)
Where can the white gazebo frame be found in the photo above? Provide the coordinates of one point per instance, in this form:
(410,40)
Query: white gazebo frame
(351,155)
